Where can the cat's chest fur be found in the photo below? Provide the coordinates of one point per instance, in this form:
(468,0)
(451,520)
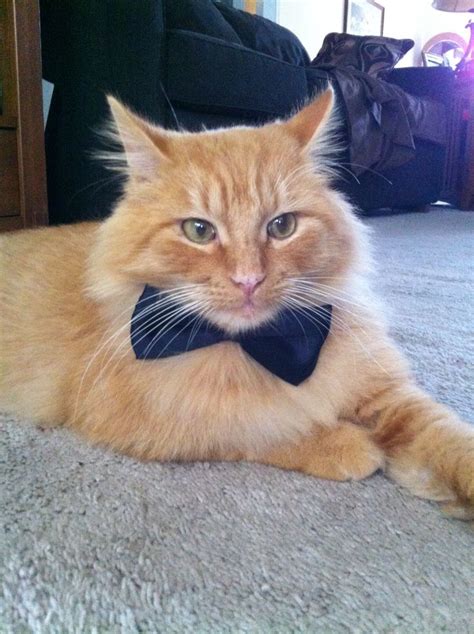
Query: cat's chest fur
(209,401)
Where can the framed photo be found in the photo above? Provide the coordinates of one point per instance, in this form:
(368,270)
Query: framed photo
(265,8)
(363,17)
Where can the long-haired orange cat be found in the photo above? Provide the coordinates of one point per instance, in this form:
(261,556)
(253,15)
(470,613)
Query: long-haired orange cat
(233,229)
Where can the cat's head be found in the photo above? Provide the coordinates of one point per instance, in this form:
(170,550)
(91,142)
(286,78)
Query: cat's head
(240,221)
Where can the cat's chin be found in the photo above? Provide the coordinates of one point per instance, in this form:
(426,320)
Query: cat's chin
(243,319)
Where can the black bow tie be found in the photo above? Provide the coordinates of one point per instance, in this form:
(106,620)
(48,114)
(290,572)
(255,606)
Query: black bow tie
(288,347)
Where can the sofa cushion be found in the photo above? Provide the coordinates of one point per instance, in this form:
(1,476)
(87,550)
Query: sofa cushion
(200,16)
(436,82)
(211,75)
(265,36)
(370,54)
(215,19)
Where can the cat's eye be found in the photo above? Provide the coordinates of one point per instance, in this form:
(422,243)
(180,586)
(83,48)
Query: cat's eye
(282,226)
(199,231)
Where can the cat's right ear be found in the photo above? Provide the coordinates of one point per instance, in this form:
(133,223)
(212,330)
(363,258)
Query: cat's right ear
(146,146)
(308,124)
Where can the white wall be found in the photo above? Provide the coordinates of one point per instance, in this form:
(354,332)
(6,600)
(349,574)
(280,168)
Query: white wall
(418,20)
(311,20)
(403,19)
(47,96)
(441,21)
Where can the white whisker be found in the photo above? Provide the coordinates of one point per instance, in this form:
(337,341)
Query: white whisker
(302,302)
(171,296)
(176,335)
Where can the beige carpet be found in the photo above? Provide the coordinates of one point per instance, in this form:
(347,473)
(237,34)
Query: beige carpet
(94,542)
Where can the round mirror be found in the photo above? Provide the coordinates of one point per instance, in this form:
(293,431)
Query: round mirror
(444,49)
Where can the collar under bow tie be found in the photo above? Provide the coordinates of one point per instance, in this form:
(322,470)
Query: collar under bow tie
(288,347)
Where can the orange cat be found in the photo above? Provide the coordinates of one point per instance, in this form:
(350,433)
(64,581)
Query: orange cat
(234,226)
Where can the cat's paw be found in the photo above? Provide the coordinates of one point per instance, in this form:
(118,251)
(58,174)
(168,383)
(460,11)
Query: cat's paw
(361,457)
(460,480)
(350,454)
(342,452)
(459,511)
(450,482)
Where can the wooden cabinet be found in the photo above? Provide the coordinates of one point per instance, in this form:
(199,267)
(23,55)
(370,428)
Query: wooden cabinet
(23,201)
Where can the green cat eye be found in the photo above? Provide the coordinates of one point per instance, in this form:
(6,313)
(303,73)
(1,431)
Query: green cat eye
(282,227)
(199,231)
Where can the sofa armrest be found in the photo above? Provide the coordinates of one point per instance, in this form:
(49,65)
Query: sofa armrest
(114,46)
(91,48)
(435,83)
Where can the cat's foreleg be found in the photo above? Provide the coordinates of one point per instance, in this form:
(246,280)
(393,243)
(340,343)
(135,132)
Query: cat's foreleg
(427,448)
(343,452)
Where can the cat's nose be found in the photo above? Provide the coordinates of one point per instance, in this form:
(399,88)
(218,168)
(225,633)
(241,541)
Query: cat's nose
(248,283)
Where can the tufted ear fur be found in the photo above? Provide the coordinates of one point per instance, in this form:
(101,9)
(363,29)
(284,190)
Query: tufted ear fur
(309,122)
(145,144)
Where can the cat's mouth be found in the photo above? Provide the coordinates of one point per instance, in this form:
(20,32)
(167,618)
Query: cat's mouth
(247,315)
(248,308)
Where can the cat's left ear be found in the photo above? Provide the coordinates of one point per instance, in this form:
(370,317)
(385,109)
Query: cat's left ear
(311,121)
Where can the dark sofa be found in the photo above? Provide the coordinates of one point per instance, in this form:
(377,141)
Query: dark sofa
(193,63)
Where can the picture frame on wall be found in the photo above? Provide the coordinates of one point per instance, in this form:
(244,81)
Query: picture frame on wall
(363,17)
(265,8)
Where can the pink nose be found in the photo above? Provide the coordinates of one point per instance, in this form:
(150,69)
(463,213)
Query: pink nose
(248,283)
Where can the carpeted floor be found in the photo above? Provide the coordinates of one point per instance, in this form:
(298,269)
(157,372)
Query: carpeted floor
(94,542)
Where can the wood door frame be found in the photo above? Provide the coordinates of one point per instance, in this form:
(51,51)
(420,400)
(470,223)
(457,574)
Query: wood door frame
(27,115)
